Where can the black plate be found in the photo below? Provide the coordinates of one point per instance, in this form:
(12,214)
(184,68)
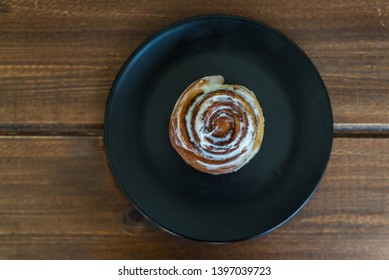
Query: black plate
(274,185)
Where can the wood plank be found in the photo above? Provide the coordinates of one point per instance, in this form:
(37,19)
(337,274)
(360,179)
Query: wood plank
(59,200)
(59,59)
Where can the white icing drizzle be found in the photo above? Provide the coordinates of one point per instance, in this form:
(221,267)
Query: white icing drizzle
(203,134)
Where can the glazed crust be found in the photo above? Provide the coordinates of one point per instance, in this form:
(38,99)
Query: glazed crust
(216,128)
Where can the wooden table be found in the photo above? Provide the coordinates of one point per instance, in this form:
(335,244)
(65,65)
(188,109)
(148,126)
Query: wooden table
(58,198)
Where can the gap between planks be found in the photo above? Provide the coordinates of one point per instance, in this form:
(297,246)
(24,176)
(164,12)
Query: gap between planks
(55,129)
(341,130)
(367,130)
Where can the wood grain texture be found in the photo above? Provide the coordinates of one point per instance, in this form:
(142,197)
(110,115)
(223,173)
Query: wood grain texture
(59,201)
(58,59)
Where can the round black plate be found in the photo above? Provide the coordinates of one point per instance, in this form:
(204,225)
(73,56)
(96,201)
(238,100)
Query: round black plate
(274,185)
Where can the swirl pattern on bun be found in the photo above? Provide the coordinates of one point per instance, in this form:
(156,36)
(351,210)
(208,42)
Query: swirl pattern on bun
(215,127)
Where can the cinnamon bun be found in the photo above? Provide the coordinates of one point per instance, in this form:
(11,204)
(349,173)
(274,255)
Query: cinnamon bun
(215,127)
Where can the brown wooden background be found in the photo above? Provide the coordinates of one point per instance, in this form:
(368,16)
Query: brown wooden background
(58,198)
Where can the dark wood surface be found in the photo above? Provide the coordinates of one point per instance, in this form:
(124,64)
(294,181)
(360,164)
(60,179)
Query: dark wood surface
(58,198)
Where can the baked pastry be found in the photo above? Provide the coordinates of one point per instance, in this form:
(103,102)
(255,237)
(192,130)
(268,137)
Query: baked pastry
(215,127)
